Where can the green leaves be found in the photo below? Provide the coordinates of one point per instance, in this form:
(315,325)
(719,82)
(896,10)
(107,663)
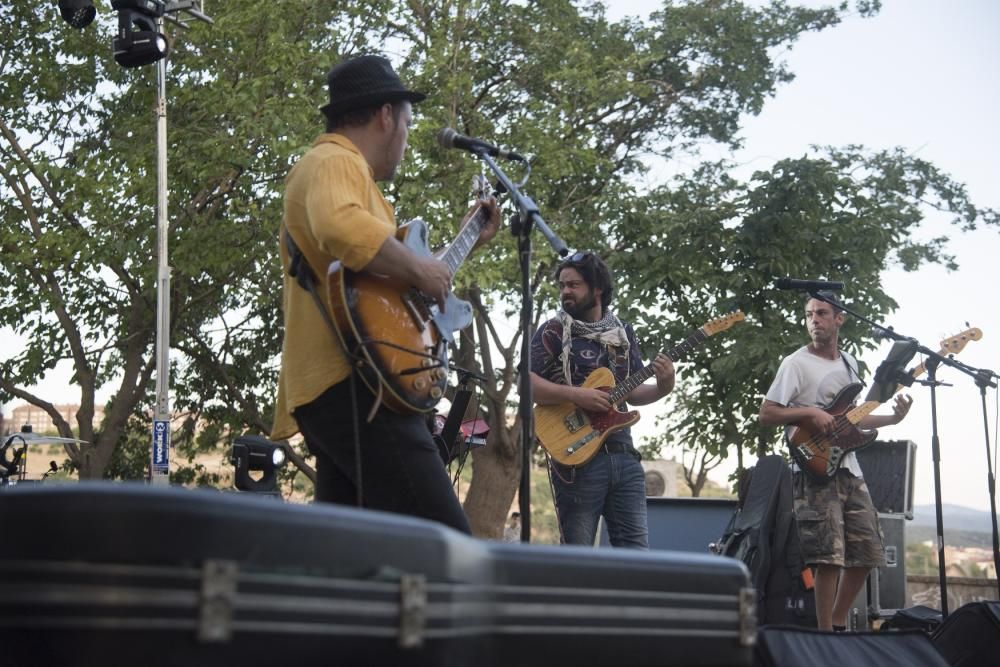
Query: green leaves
(839,214)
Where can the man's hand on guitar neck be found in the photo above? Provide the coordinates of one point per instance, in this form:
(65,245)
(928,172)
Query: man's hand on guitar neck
(492,225)
(901,407)
(666,376)
(899,410)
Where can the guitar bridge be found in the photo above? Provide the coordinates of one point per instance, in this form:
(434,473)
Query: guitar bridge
(581,442)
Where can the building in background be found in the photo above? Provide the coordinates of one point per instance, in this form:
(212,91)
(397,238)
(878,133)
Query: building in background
(40,420)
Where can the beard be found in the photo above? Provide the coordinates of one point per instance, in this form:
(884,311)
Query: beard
(577,309)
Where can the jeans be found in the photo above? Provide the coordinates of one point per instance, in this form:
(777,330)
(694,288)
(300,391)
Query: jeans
(401,468)
(612,484)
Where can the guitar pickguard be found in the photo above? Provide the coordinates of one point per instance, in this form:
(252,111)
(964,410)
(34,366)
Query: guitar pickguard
(820,455)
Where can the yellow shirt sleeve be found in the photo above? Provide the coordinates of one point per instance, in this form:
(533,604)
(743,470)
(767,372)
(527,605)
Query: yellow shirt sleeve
(337,204)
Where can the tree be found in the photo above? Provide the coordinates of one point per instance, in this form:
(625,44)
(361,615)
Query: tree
(78,186)
(842,213)
(588,98)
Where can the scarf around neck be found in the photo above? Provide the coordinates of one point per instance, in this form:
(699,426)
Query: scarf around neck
(608,331)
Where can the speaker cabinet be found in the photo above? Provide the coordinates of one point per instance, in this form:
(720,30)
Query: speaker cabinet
(888,467)
(970,636)
(779,646)
(682,524)
(888,582)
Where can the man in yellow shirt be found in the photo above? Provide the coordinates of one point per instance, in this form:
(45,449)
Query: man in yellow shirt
(334,210)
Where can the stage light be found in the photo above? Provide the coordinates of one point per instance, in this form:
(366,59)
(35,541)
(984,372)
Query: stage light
(258,454)
(77,13)
(135,48)
(278,457)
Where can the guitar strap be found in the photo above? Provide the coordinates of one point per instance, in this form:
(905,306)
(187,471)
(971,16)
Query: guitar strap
(299,268)
(850,369)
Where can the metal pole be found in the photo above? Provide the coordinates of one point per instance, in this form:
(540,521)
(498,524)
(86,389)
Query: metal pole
(983,381)
(932,365)
(160,454)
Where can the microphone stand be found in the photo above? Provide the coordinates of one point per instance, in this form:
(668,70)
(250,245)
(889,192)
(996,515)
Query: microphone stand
(933,360)
(528,218)
(984,378)
(932,365)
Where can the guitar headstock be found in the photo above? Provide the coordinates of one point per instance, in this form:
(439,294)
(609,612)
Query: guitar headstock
(956,343)
(720,324)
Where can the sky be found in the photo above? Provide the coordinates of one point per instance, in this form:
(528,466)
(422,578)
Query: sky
(922,75)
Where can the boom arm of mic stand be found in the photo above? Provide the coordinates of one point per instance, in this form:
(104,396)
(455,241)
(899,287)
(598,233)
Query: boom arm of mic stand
(529,213)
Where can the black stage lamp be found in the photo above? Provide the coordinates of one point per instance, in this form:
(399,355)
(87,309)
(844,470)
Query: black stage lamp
(256,453)
(78,13)
(135,48)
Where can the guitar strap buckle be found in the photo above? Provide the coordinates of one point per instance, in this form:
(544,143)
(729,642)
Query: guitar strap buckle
(298,267)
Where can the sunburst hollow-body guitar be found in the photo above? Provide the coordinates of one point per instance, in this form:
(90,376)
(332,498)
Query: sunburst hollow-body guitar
(399,335)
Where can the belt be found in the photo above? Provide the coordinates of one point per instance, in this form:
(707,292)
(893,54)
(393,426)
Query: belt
(618,448)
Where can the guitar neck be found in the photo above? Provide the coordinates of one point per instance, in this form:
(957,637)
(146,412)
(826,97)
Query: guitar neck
(855,415)
(863,410)
(618,394)
(459,249)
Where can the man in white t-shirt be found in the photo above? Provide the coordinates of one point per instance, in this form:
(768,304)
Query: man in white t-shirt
(838,526)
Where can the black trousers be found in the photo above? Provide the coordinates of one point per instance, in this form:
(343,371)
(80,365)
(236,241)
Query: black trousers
(401,467)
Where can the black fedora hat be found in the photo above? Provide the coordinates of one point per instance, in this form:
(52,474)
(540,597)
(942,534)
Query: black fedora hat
(363,82)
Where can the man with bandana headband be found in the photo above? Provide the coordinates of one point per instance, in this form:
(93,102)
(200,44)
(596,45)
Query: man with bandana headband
(584,336)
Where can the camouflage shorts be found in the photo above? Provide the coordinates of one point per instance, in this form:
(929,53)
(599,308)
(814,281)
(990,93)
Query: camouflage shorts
(837,522)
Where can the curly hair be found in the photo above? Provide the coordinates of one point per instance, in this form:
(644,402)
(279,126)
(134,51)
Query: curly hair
(595,273)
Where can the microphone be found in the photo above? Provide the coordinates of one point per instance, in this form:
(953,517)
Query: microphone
(449,138)
(879,334)
(810,285)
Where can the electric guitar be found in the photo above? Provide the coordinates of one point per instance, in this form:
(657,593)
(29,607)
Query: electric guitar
(572,436)
(399,336)
(819,454)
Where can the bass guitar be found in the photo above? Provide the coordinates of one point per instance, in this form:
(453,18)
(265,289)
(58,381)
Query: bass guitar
(398,336)
(572,436)
(819,454)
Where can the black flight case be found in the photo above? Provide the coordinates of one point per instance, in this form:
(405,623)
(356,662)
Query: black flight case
(130,574)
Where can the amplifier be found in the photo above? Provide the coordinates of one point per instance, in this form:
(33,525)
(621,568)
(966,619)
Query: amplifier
(681,524)
(888,467)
